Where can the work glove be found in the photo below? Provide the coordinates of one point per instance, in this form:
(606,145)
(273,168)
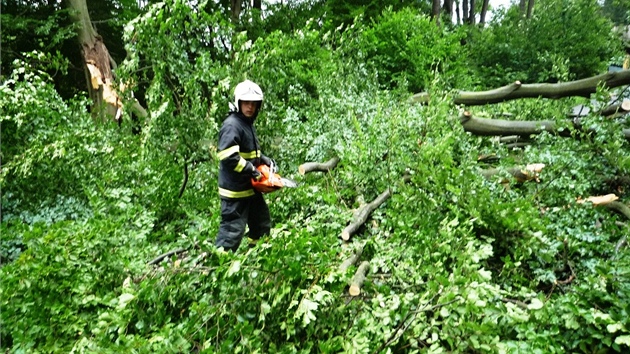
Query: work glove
(268,161)
(256,175)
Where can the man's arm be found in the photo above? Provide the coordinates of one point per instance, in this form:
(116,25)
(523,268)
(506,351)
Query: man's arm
(229,149)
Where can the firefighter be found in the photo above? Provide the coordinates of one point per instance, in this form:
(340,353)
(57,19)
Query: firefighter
(239,155)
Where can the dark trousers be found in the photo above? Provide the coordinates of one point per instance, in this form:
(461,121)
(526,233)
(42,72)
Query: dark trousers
(235,214)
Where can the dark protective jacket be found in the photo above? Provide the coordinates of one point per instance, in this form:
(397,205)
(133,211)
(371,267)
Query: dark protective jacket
(239,154)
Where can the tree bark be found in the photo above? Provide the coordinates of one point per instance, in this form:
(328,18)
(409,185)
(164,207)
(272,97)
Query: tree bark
(435,11)
(465,18)
(97,62)
(472,12)
(448,10)
(351,260)
(583,88)
(236,6)
(616,109)
(318,166)
(484,10)
(530,8)
(522,6)
(501,127)
(361,215)
(359,278)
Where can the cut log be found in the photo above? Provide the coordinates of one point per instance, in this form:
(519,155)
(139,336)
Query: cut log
(616,109)
(318,166)
(612,110)
(359,278)
(352,260)
(361,215)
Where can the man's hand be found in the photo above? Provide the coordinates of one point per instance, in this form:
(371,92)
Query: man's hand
(268,161)
(257,175)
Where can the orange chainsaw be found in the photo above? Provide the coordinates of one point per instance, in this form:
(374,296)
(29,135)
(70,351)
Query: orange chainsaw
(271,181)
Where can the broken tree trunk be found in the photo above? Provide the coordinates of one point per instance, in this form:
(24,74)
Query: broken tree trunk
(361,215)
(98,65)
(318,166)
(97,61)
(501,127)
(351,260)
(359,278)
(516,90)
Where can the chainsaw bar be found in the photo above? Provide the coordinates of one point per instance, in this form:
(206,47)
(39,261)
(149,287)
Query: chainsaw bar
(288,183)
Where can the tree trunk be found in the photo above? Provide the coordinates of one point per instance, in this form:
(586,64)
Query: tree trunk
(236,6)
(471,17)
(448,10)
(530,8)
(522,6)
(258,5)
(465,11)
(583,88)
(484,10)
(459,19)
(97,61)
(435,11)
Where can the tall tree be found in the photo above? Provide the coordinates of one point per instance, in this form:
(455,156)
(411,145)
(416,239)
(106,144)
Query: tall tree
(530,8)
(435,11)
(484,10)
(447,10)
(236,7)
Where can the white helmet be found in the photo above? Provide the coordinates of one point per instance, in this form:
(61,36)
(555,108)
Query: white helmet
(247,91)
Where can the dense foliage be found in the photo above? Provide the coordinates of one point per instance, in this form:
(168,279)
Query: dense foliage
(458,262)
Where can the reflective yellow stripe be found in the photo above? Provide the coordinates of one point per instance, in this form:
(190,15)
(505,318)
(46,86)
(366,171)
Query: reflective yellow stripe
(224,154)
(250,155)
(233,194)
(241,165)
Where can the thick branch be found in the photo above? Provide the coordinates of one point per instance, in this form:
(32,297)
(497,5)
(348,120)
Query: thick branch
(619,207)
(351,260)
(501,127)
(318,166)
(159,258)
(516,90)
(359,278)
(361,215)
